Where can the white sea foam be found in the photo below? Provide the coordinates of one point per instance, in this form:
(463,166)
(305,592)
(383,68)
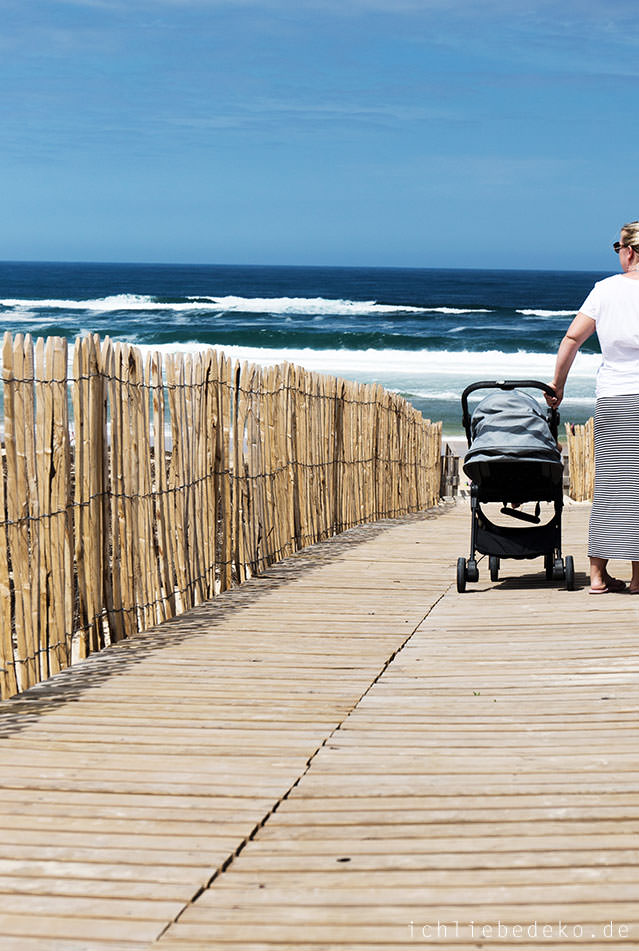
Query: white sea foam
(487,364)
(458,310)
(547,313)
(306,305)
(29,317)
(313,306)
(448,395)
(102,304)
(453,395)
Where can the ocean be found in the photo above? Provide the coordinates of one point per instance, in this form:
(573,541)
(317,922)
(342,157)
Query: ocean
(424,333)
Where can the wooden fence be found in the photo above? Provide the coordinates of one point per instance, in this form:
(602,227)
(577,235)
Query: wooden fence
(581,460)
(138,488)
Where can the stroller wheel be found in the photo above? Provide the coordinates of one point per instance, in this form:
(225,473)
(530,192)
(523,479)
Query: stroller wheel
(570,573)
(493,564)
(559,570)
(548,565)
(461,575)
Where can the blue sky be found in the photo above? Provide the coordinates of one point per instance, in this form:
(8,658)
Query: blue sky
(410,133)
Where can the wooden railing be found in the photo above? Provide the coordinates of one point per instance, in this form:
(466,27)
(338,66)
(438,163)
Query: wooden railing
(138,488)
(581,460)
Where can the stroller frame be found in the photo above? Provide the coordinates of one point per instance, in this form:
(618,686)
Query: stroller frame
(500,541)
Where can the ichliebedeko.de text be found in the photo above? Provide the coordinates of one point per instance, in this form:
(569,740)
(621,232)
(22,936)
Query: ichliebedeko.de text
(509,931)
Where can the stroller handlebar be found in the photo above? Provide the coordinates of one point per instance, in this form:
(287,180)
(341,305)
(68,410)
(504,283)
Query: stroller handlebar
(553,420)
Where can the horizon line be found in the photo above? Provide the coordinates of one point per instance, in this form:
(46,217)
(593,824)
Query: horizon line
(343,267)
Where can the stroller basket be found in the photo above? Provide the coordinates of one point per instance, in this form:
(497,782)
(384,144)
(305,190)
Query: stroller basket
(513,458)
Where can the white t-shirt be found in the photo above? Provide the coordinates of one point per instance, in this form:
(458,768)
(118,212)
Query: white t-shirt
(614,306)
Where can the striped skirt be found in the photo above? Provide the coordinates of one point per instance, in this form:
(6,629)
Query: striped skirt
(614,519)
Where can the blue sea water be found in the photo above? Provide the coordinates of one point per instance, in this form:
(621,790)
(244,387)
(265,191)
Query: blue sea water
(425,333)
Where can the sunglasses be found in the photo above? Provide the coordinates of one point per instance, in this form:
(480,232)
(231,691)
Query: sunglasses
(617,246)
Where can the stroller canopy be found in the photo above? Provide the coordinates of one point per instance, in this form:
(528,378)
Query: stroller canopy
(510,426)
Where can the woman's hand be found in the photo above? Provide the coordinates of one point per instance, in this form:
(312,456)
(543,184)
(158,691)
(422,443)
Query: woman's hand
(554,401)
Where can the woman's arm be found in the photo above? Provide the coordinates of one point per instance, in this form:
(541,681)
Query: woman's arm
(580,329)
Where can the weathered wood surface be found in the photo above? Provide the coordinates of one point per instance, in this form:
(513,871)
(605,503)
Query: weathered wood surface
(337,750)
(580,442)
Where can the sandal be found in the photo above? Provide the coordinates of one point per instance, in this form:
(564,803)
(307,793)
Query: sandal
(615,584)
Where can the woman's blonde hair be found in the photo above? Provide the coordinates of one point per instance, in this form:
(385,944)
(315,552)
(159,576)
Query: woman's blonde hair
(630,235)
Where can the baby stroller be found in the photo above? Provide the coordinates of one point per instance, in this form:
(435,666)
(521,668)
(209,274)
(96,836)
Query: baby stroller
(513,458)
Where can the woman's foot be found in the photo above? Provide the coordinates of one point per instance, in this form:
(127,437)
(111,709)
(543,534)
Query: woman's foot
(598,574)
(606,583)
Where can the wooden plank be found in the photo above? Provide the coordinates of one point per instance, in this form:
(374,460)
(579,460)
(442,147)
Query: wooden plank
(188,435)
(313,880)
(111,573)
(206,506)
(215,484)
(269,503)
(151,613)
(386,944)
(17,506)
(8,681)
(241,385)
(47,943)
(51,874)
(60,563)
(160,485)
(136,580)
(123,470)
(223,468)
(54,926)
(111,363)
(266,901)
(28,448)
(176,506)
(95,526)
(156,613)
(191,862)
(42,479)
(295,470)
(81,461)
(92,888)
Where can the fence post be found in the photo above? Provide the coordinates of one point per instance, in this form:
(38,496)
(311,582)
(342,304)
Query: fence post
(581,460)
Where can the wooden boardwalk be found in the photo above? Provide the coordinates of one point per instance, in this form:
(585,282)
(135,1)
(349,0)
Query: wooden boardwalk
(344,754)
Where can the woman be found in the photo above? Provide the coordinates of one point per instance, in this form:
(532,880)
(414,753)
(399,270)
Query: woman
(612,310)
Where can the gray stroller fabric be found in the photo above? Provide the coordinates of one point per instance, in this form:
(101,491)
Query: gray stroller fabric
(510,425)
